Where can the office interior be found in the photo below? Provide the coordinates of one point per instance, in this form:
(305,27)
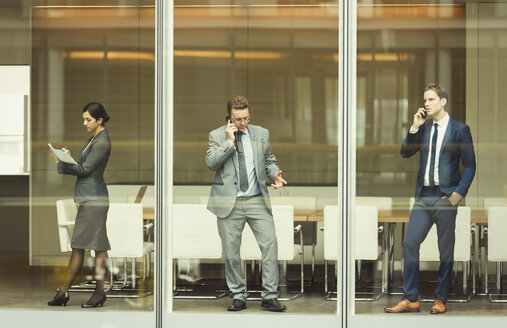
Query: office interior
(283,56)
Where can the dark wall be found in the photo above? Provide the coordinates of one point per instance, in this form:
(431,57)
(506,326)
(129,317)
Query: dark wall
(14,216)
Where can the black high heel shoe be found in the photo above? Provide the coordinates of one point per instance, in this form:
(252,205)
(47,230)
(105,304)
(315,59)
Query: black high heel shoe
(98,303)
(59,300)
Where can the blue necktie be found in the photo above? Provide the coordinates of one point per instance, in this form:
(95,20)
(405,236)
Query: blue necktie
(433,155)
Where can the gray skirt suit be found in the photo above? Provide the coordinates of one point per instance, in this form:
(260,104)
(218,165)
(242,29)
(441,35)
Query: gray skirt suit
(91,193)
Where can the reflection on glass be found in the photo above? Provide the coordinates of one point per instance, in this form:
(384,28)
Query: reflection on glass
(401,48)
(283,57)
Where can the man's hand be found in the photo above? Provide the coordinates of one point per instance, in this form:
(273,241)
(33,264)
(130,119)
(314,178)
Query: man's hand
(230,130)
(419,118)
(454,198)
(279,181)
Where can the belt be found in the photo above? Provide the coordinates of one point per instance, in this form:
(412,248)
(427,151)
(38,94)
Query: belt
(430,188)
(247,197)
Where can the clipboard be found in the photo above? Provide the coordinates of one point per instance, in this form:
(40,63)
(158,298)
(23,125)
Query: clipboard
(62,155)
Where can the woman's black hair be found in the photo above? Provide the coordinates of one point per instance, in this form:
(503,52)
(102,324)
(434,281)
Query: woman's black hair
(97,111)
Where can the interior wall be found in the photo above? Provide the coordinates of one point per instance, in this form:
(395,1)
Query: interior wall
(80,55)
(14,209)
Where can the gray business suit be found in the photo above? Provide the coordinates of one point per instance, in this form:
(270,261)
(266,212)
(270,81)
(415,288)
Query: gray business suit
(233,212)
(91,193)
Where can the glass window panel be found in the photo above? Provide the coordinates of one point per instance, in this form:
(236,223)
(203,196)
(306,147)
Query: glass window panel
(283,56)
(55,57)
(401,48)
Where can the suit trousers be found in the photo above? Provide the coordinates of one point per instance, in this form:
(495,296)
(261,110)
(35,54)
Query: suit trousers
(429,209)
(251,210)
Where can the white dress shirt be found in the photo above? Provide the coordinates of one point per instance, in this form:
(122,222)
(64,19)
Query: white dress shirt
(442,127)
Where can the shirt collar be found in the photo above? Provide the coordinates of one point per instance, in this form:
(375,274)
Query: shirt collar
(246,132)
(443,122)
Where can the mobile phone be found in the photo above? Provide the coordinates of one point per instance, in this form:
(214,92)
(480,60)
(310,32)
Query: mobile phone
(424,114)
(227,118)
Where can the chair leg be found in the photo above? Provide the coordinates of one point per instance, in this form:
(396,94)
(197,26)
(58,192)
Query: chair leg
(486,287)
(465,276)
(325,277)
(313,263)
(133,263)
(498,276)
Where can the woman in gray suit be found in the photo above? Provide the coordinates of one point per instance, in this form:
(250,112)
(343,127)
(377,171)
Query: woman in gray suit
(93,199)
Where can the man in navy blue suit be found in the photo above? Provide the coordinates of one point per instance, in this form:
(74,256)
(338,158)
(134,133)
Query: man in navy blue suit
(442,142)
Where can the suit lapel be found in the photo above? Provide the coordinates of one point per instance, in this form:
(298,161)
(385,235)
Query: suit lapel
(84,152)
(426,138)
(447,135)
(255,147)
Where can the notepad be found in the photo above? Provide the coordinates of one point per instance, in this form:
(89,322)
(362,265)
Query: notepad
(62,155)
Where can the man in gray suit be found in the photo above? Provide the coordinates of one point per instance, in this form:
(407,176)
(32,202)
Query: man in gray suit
(241,156)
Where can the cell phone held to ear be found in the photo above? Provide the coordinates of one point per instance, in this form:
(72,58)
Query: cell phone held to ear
(424,114)
(227,119)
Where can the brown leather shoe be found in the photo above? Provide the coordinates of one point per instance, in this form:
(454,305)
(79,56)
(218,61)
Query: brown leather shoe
(403,306)
(438,307)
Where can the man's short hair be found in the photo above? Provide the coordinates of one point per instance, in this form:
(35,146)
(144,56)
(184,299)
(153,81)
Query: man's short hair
(439,90)
(237,102)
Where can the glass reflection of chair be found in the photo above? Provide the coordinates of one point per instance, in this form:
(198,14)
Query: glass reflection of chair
(195,236)
(283,216)
(496,250)
(463,248)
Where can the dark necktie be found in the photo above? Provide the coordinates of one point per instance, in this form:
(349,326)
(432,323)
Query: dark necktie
(243,176)
(433,155)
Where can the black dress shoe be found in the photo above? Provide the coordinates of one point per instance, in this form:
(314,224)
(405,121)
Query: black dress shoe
(237,305)
(273,305)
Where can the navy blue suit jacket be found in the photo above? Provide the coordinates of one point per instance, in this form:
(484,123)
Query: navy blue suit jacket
(457,145)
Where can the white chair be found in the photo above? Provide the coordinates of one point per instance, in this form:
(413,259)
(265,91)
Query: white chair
(304,205)
(367,245)
(125,234)
(365,238)
(119,193)
(497,245)
(331,243)
(462,247)
(195,236)
(66,211)
(494,201)
(383,204)
(283,217)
